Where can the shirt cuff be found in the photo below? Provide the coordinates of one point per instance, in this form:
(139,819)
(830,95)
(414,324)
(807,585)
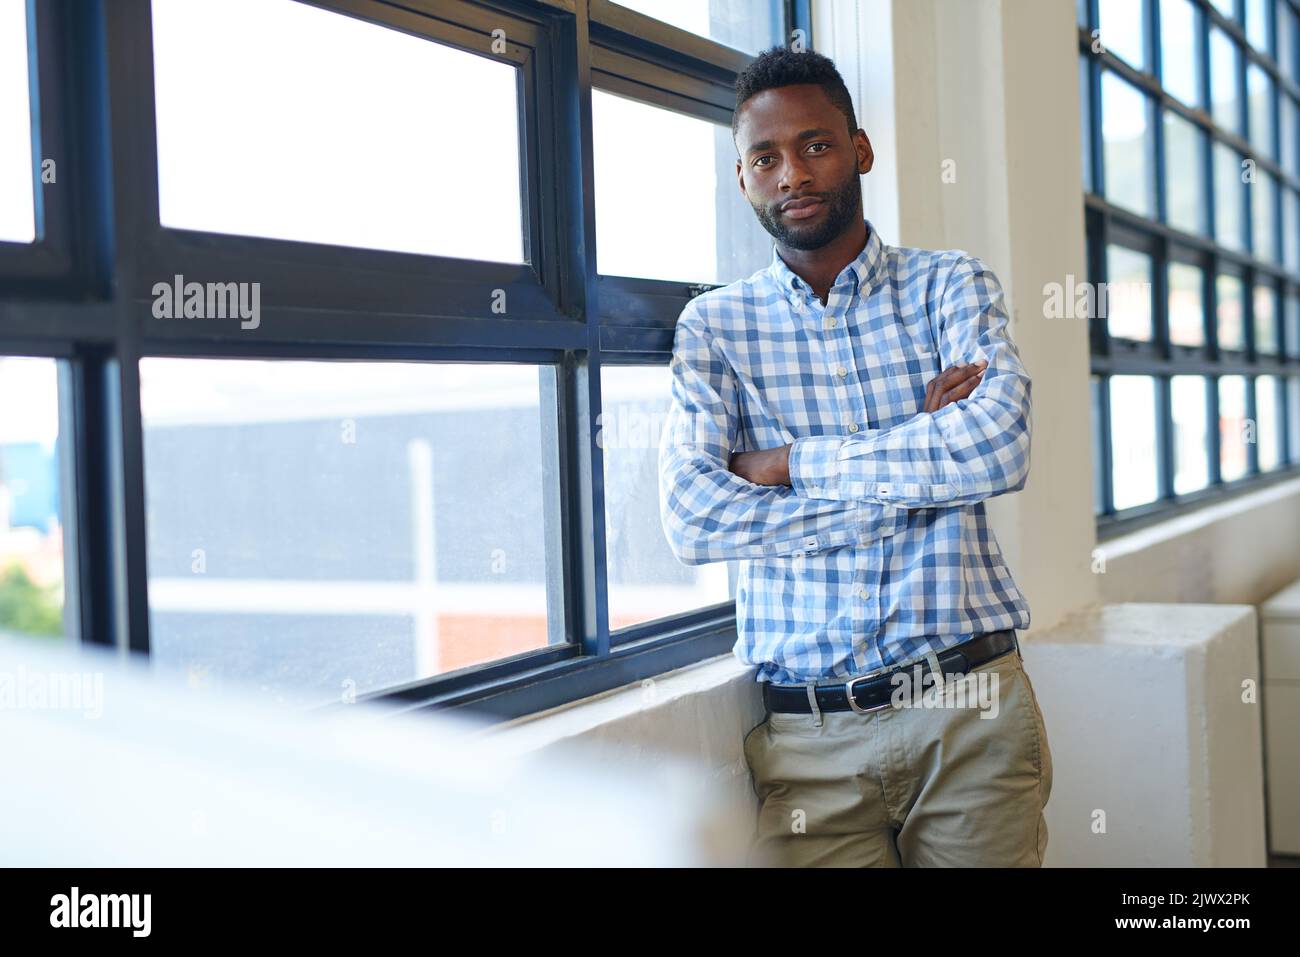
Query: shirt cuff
(814,466)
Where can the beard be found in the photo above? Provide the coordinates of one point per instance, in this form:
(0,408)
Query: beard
(842,204)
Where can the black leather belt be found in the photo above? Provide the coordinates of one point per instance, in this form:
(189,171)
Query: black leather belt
(873,691)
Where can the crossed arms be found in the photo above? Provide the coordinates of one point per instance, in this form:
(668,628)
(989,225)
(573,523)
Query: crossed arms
(970,442)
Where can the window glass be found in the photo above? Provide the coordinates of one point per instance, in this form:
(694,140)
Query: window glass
(1133,440)
(31,500)
(740,24)
(719,242)
(1259,100)
(1231,312)
(1184,174)
(1265,320)
(1128,293)
(1186,305)
(1234,429)
(1263,199)
(348,526)
(1293,325)
(1179,64)
(1268,431)
(1123,31)
(17,182)
(1126,136)
(646,581)
(1191,433)
(1228,197)
(335,133)
(1225,62)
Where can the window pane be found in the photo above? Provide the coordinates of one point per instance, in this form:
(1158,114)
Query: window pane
(1123,32)
(1233,427)
(1228,196)
(1291,229)
(1257,25)
(1231,325)
(31,529)
(1179,63)
(1293,417)
(1263,198)
(1128,293)
(1288,135)
(740,24)
(646,581)
(1126,134)
(1085,116)
(1098,470)
(17,182)
(723,241)
(1268,430)
(1184,174)
(325,526)
(1186,305)
(1286,26)
(1293,325)
(1225,59)
(341,137)
(1133,439)
(1265,320)
(1259,99)
(1191,433)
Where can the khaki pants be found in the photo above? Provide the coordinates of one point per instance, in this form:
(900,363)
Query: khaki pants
(909,787)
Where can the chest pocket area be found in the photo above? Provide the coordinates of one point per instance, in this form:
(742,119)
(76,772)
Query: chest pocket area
(897,392)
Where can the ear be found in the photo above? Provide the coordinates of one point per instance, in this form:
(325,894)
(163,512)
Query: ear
(862,145)
(740,180)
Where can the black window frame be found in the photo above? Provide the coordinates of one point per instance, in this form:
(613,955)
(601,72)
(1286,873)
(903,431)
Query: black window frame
(1107,224)
(83,296)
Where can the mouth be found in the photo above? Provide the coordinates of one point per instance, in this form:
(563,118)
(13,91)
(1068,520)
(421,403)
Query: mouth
(802,208)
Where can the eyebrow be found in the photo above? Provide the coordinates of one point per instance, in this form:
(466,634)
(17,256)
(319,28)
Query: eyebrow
(805,135)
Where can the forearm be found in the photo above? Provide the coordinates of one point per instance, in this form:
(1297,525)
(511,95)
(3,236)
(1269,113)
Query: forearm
(960,455)
(710,514)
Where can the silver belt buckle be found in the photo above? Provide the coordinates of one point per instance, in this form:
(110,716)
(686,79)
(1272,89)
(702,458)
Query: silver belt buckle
(848,689)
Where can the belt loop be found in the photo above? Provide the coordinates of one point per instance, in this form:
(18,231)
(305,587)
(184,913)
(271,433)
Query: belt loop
(811,688)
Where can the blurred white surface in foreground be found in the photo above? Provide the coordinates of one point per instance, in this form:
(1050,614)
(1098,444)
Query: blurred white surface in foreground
(158,770)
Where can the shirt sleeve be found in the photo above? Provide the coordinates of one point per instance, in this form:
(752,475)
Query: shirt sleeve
(709,513)
(968,451)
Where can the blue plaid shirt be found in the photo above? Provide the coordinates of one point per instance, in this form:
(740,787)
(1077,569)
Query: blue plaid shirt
(879,552)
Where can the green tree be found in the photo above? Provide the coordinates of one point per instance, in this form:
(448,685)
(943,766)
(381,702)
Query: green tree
(27,607)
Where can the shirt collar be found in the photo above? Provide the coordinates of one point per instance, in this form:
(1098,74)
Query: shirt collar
(858,273)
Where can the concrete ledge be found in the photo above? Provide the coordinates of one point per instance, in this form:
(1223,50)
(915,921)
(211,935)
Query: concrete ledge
(1150,736)
(1238,551)
(699,714)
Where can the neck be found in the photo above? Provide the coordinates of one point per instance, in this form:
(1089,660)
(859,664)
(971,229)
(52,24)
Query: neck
(819,267)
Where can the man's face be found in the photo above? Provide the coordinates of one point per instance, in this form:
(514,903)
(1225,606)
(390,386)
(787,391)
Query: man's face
(799,165)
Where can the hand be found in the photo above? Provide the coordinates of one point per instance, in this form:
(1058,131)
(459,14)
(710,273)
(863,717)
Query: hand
(953,383)
(763,467)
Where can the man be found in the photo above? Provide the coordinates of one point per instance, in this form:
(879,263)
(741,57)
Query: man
(813,438)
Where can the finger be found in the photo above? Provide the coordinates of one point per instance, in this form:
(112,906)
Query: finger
(928,405)
(960,391)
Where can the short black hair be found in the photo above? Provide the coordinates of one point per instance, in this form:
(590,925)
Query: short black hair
(781,66)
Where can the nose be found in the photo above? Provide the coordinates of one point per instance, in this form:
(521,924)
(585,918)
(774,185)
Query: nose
(794,175)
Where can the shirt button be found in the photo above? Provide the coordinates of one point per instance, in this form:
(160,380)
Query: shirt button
(863,593)
(853,426)
(841,371)
(831,322)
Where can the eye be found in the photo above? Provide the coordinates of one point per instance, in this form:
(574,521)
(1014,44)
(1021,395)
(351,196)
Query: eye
(825,146)
(759,161)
